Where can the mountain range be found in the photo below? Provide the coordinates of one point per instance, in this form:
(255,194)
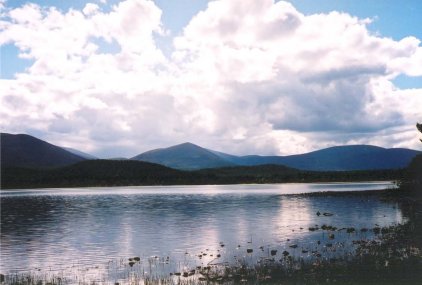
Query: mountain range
(27,151)
(188,156)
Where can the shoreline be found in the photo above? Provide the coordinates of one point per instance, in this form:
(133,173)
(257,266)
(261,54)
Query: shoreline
(391,182)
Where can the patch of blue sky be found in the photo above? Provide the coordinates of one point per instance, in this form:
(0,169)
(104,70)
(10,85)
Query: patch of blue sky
(11,63)
(391,18)
(177,14)
(63,5)
(106,47)
(408,82)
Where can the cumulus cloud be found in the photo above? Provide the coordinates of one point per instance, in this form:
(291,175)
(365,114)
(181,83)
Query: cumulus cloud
(243,77)
(283,71)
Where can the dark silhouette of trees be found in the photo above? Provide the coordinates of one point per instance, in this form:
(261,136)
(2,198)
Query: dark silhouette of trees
(126,173)
(412,180)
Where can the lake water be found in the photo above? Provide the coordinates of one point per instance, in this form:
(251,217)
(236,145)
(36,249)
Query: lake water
(57,228)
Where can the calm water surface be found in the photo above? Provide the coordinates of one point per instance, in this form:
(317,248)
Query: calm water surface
(55,228)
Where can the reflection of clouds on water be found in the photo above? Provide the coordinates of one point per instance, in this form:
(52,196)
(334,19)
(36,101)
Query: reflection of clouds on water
(293,214)
(241,225)
(125,237)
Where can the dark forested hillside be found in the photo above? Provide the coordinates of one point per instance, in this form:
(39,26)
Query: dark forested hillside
(271,173)
(27,151)
(94,173)
(128,172)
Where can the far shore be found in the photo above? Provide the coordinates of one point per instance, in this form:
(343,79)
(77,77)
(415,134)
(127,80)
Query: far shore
(393,186)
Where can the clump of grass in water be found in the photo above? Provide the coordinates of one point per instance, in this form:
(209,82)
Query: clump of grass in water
(32,278)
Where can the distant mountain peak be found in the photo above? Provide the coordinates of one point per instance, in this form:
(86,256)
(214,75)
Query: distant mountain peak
(186,155)
(187,144)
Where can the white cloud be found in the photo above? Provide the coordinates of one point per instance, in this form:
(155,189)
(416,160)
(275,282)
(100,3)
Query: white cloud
(244,77)
(90,9)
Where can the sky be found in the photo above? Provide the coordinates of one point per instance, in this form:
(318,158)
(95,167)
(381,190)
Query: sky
(117,78)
